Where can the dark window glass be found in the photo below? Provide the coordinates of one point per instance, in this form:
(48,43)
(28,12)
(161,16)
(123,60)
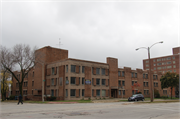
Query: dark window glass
(135,75)
(82,92)
(119,82)
(73,80)
(103,71)
(119,73)
(82,80)
(132,74)
(73,68)
(73,92)
(97,92)
(52,92)
(103,81)
(97,81)
(123,73)
(97,71)
(53,71)
(123,83)
(83,69)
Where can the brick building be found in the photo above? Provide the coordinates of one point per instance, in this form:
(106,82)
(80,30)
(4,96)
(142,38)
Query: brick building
(169,63)
(74,79)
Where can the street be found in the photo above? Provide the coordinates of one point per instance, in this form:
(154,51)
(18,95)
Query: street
(114,110)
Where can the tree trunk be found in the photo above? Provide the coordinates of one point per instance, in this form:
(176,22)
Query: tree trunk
(20,88)
(3,90)
(171,92)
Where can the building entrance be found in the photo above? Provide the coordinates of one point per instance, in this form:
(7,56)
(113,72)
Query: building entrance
(114,93)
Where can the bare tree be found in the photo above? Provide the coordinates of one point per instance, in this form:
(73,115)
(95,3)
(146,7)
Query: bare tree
(21,57)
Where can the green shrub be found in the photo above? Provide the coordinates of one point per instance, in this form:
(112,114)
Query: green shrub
(138,93)
(12,97)
(156,93)
(52,98)
(164,97)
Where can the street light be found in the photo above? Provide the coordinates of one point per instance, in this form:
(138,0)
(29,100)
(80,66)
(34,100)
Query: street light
(151,89)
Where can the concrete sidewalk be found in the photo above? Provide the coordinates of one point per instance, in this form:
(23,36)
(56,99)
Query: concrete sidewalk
(126,99)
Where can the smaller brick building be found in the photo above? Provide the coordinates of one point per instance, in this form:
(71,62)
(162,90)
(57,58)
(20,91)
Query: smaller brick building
(75,79)
(169,63)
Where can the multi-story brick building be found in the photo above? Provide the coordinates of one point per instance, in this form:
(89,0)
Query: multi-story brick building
(169,63)
(74,79)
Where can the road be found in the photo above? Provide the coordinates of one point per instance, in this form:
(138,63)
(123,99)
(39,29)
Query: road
(114,110)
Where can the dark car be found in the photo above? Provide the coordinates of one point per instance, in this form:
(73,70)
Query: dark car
(136,97)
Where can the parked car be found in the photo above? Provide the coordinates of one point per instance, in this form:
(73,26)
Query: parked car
(136,97)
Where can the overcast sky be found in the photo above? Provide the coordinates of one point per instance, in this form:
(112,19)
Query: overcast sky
(93,30)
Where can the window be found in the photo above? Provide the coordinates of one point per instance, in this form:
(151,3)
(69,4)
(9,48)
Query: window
(147,61)
(66,68)
(159,68)
(73,80)
(33,74)
(174,66)
(32,83)
(169,58)
(132,83)
(119,92)
(123,92)
(123,83)
(66,92)
(73,68)
(53,71)
(103,93)
(97,71)
(146,76)
(158,59)
(123,73)
(174,62)
(144,92)
(92,92)
(83,67)
(52,81)
(97,92)
(119,82)
(147,84)
(82,92)
(173,57)
(147,92)
(147,65)
(32,92)
(103,81)
(97,81)
(73,92)
(67,81)
(174,70)
(144,83)
(168,67)
(168,62)
(52,92)
(119,73)
(158,64)
(82,81)
(154,60)
(103,71)
(135,75)
(132,74)
(154,68)
(154,64)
